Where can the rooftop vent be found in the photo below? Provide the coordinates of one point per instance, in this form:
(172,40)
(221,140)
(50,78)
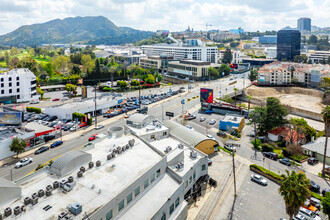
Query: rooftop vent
(98,163)
(70,179)
(90,165)
(109,157)
(8,212)
(168,149)
(17,210)
(48,192)
(69,186)
(82,169)
(180,146)
(27,201)
(34,201)
(41,193)
(179,166)
(193,154)
(80,174)
(56,184)
(62,215)
(75,209)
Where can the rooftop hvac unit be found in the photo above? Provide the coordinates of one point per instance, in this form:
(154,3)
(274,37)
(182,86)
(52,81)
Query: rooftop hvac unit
(168,149)
(80,174)
(34,195)
(49,187)
(98,163)
(62,215)
(193,154)
(75,209)
(82,169)
(90,165)
(8,212)
(41,193)
(70,179)
(27,200)
(180,146)
(56,184)
(119,151)
(69,186)
(127,146)
(109,157)
(113,155)
(17,210)
(34,201)
(179,166)
(48,192)
(63,182)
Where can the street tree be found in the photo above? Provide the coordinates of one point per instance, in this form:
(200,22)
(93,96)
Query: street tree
(17,145)
(295,190)
(213,72)
(257,118)
(312,39)
(326,204)
(326,118)
(276,113)
(60,63)
(224,69)
(87,62)
(227,56)
(253,75)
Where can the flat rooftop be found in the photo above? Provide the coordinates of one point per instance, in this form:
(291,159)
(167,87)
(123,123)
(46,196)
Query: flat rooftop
(187,160)
(111,178)
(148,204)
(37,127)
(149,129)
(232,118)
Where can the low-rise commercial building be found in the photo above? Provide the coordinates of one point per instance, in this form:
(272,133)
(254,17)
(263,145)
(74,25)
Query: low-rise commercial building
(18,85)
(191,69)
(318,56)
(159,63)
(268,39)
(232,122)
(224,35)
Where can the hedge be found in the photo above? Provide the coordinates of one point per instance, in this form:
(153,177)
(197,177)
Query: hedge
(78,115)
(267,148)
(317,196)
(224,149)
(33,109)
(267,172)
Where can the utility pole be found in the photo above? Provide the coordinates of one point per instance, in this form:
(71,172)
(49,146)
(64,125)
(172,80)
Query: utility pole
(140,95)
(232,153)
(95,108)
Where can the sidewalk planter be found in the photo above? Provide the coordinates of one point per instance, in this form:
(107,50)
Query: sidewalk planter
(266,173)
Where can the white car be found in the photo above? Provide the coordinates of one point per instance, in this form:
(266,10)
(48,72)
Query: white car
(34,101)
(230,147)
(74,128)
(212,121)
(64,99)
(202,119)
(258,179)
(99,126)
(23,162)
(210,136)
(308,214)
(191,128)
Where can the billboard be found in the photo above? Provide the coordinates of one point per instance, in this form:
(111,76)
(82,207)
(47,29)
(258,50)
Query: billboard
(207,95)
(10,118)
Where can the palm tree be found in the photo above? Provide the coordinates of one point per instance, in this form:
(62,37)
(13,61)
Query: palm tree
(295,191)
(326,118)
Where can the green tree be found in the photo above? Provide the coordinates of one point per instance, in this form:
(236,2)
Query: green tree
(276,113)
(257,117)
(122,84)
(253,75)
(213,72)
(326,204)
(41,92)
(300,59)
(135,83)
(295,190)
(224,69)
(60,63)
(227,56)
(326,118)
(14,51)
(87,62)
(13,63)
(17,145)
(312,39)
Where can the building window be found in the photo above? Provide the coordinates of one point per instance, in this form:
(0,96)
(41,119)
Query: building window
(177,201)
(152,177)
(163,216)
(9,79)
(203,167)
(1,79)
(109,215)
(18,97)
(17,78)
(10,90)
(17,83)
(146,183)
(10,84)
(190,179)
(186,184)
(17,89)
(137,191)
(171,209)
(2,91)
(158,173)
(2,85)
(129,198)
(194,176)
(121,205)
(164,133)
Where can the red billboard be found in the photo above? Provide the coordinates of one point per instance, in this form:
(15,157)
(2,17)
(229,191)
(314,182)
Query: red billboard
(207,95)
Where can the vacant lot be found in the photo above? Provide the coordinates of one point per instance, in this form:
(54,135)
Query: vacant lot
(302,98)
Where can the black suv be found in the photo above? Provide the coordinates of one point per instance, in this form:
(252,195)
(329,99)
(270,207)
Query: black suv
(270,155)
(41,149)
(312,161)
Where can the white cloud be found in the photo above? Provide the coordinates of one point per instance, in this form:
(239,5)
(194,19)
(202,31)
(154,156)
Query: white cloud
(174,15)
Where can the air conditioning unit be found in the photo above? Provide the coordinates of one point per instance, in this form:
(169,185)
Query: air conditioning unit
(168,149)
(193,154)
(75,209)
(179,166)
(180,146)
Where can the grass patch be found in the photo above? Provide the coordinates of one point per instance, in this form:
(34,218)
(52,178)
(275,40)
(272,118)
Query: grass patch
(225,150)
(317,196)
(264,170)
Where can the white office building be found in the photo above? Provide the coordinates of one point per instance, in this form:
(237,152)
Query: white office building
(120,176)
(18,85)
(209,54)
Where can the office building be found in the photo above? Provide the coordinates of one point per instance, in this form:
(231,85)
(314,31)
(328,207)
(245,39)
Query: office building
(316,56)
(232,122)
(288,44)
(268,39)
(157,62)
(124,175)
(192,69)
(304,25)
(18,85)
(270,52)
(224,35)
(208,54)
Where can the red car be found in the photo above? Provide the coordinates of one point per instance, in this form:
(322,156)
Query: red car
(92,137)
(82,124)
(55,100)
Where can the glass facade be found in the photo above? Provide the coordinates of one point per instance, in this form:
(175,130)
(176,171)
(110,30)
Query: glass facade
(288,44)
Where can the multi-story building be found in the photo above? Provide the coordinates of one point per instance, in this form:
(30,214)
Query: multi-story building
(224,35)
(18,85)
(140,172)
(304,25)
(192,69)
(157,62)
(274,76)
(288,44)
(236,54)
(318,56)
(178,52)
(270,52)
(268,39)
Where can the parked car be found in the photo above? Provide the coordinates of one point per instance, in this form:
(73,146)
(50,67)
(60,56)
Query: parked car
(312,161)
(314,186)
(190,117)
(202,119)
(212,122)
(191,128)
(308,214)
(209,161)
(324,191)
(230,147)
(56,144)
(258,179)
(55,100)
(41,150)
(308,205)
(74,128)
(91,138)
(285,162)
(299,217)
(99,126)
(64,99)
(84,124)
(24,162)
(34,101)
(315,202)
(270,155)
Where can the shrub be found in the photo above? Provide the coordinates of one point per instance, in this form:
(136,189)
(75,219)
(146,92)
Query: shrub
(264,170)
(79,116)
(256,144)
(106,89)
(41,92)
(225,150)
(239,135)
(33,109)
(267,148)
(135,83)
(39,166)
(90,121)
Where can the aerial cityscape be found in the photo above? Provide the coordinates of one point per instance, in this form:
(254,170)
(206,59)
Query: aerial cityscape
(164,110)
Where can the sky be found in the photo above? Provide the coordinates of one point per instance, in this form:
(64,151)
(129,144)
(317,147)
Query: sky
(173,15)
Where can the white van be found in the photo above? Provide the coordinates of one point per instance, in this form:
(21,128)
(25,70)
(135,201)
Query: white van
(308,214)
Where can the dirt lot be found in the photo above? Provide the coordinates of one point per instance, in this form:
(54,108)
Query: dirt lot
(302,98)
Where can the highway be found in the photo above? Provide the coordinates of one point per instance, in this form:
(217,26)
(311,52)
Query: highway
(80,138)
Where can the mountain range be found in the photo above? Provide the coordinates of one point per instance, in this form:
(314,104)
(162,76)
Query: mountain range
(83,30)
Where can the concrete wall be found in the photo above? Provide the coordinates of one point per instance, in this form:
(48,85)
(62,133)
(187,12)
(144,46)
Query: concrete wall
(304,113)
(272,137)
